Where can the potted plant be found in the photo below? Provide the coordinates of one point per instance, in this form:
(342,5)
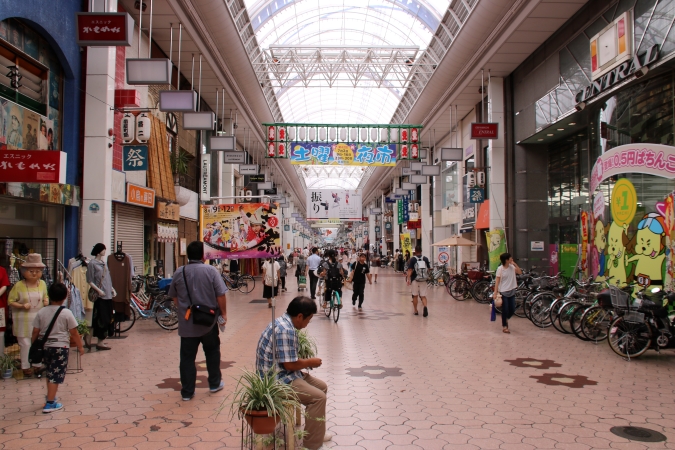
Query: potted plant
(306,345)
(82,330)
(263,401)
(6,366)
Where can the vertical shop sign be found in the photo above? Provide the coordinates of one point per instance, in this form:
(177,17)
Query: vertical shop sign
(584,241)
(406,209)
(406,243)
(205,184)
(135,157)
(399,206)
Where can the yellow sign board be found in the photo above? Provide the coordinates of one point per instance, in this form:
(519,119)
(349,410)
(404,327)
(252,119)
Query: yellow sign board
(624,202)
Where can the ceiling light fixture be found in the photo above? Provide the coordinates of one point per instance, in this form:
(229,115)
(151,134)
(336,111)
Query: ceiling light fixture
(561,129)
(572,124)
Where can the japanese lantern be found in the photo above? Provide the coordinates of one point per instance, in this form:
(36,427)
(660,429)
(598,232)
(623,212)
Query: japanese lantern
(404,135)
(128,126)
(270,149)
(270,133)
(404,151)
(343,134)
(291,133)
(281,150)
(353,132)
(413,135)
(302,133)
(312,134)
(282,133)
(142,128)
(332,134)
(322,134)
(414,151)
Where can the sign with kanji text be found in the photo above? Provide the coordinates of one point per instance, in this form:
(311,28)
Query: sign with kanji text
(484,130)
(113,29)
(476,195)
(140,196)
(334,204)
(32,166)
(135,157)
(168,211)
(332,153)
(406,209)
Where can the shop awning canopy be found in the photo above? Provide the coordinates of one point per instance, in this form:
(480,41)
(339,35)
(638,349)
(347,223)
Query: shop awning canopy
(483,220)
(454,241)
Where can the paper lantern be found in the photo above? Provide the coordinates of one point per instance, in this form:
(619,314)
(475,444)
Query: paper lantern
(414,151)
(302,133)
(291,133)
(271,133)
(343,134)
(353,133)
(128,125)
(282,133)
(142,128)
(373,135)
(393,135)
(281,150)
(270,150)
(322,134)
(404,151)
(404,135)
(364,134)
(312,134)
(413,135)
(332,134)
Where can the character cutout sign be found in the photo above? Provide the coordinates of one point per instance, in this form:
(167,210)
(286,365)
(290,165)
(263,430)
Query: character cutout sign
(236,231)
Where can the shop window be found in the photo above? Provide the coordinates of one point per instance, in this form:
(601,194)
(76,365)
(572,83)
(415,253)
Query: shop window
(567,182)
(30,89)
(450,184)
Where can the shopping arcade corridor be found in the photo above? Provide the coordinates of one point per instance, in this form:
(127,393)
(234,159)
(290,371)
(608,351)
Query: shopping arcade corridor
(395,381)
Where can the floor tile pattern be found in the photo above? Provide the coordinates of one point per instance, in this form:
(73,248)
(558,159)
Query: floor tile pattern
(457,387)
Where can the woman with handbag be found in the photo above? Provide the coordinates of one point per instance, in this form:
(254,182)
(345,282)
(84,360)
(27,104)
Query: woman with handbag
(26,299)
(505,285)
(101,294)
(271,279)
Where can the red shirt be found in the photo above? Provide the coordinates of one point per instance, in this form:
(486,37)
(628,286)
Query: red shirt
(4,281)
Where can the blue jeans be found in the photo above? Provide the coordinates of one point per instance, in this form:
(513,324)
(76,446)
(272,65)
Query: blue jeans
(508,309)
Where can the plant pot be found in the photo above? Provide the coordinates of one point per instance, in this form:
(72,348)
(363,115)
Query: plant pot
(7,373)
(261,422)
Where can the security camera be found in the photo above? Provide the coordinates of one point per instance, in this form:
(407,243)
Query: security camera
(580,106)
(642,72)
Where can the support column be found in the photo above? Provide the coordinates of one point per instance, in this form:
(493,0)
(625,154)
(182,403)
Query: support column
(497,153)
(396,233)
(98,155)
(371,229)
(227,178)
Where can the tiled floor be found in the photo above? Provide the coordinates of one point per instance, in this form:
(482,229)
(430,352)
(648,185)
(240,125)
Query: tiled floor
(452,380)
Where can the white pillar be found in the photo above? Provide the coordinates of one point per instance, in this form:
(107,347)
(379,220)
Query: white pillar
(227,179)
(98,156)
(497,155)
(396,236)
(427,220)
(371,228)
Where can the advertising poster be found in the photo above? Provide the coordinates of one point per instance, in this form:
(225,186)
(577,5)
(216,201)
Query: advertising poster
(331,153)
(334,204)
(406,243)
(23,129)
(237,231)
(496,246)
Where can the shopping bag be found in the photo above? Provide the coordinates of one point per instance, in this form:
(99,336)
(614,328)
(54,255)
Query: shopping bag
(493,312)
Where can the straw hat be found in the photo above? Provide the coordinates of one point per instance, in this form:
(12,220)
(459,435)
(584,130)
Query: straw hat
(33,260)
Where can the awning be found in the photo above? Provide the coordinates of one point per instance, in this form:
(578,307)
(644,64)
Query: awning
(454,241)
(483,220)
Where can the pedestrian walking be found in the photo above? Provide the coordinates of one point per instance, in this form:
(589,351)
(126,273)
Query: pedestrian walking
(375,263)
(358,279)
(313,263)
(282,272)
(506,284)
(418,272)
(271,278)
(199,292)
(301,271)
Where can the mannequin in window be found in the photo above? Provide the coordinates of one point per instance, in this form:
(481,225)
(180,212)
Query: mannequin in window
(98,277)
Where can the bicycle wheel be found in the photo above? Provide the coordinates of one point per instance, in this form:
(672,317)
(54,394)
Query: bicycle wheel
(627,339)
(554,313)
(166,314)
(335,306)
(565,316)
(575,322)
(595,323)
(481,291)
(246,284)
(459,289)
(127,324)
(541,306)
(521,295)
(326,306)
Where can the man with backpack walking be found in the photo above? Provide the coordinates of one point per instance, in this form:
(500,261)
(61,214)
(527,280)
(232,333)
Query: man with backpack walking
(418,272)
(332,271)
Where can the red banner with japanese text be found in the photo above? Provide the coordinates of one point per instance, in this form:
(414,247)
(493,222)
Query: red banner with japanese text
(32,166)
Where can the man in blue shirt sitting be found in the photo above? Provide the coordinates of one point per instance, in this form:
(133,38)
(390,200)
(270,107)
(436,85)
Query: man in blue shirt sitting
(311,391)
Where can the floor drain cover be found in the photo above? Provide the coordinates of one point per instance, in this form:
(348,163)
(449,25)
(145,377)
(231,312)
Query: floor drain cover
(638,434)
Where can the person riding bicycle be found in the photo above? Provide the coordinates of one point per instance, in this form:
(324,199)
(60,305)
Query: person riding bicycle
(331,270)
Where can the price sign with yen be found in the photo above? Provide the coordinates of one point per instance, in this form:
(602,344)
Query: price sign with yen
(624,202)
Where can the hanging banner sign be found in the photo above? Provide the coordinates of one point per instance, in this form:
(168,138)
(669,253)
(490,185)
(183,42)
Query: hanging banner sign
(651,159)
(237,231)
(406,209)
(248,169)
(205,184)
(334,204)
(496,246)
(140,196)
(104,29)
(406,243)
(331,153)
(237,157)
(484,130)
(32,166)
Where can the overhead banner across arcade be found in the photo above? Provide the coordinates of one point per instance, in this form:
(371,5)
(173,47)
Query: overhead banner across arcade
(334,204)
(330,153)
(243,230)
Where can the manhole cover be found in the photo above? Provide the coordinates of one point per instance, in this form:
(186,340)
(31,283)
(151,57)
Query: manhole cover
(638,434)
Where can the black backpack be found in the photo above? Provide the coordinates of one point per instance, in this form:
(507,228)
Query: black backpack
(334,276)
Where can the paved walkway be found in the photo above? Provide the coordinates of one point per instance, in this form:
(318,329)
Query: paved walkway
(452,380)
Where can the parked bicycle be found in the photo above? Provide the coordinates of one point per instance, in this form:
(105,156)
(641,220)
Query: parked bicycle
(242,283)
(149,302)
(439,276)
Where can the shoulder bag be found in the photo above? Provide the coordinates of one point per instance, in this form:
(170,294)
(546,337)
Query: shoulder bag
(201,315)
(92,294)
(37,348)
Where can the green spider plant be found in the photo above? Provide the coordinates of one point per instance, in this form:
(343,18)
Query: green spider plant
(306,345)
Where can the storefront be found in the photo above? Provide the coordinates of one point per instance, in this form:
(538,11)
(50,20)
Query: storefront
(39,195)
(607,132)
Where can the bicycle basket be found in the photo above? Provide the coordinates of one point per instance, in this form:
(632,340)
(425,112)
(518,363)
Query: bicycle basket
(620,299)
(543,282)
(475,275)
(634,317)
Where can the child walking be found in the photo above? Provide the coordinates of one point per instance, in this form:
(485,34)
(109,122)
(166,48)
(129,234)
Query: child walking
(57,346)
